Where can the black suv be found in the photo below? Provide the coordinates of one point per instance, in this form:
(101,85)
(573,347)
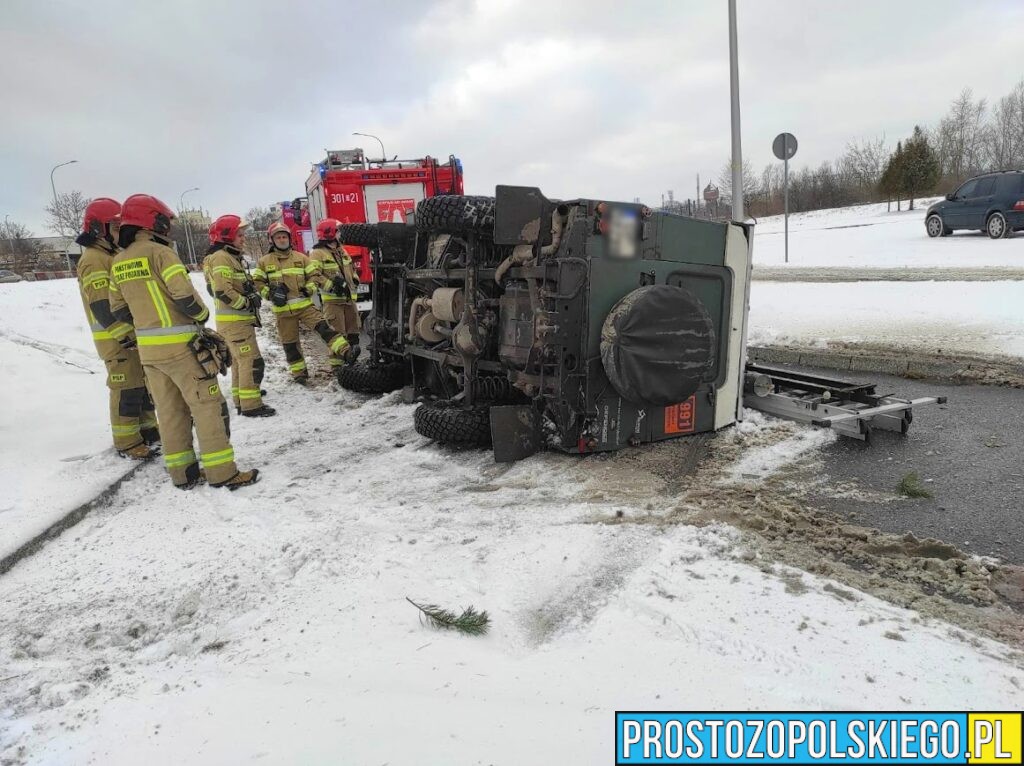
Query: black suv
(992,203)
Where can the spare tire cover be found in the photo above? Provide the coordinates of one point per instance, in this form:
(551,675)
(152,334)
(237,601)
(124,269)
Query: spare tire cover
(658,345)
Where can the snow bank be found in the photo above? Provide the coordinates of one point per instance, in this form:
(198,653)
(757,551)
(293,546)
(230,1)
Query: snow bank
(868,235)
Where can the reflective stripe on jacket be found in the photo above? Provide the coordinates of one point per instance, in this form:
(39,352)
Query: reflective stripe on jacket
(227,278)
(332,264)
(93,270)
(152,283)
(293,270)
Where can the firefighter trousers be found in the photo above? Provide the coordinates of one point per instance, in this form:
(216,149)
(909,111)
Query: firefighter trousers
(288,324)
(246,364)
(343,317)
(185,397)
(131,408)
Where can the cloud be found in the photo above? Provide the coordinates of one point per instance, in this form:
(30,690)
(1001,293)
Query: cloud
(581,98)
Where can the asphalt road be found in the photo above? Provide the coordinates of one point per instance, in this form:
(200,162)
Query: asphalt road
(969,453)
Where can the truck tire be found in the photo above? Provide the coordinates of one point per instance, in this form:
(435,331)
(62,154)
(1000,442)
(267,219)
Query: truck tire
(454,425)
(456,214)
(367,378)
(358,234)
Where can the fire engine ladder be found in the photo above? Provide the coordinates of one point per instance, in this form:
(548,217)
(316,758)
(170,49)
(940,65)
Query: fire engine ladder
(850,409)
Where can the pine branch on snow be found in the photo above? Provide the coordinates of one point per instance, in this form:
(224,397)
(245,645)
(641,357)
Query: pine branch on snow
(471,622)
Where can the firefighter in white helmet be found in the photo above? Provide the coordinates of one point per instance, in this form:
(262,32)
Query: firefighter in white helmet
(289,280)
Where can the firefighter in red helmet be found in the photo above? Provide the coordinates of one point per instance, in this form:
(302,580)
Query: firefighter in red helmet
(340,281)
(288,279)
(237,311)
(151,286)
(132,419)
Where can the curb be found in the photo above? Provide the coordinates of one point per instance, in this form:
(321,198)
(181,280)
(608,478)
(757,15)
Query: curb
(65,522)
(963,369)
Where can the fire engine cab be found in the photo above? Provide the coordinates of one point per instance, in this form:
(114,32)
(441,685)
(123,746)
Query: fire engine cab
(349,187)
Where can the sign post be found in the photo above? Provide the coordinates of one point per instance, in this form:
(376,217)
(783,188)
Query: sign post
(784,147)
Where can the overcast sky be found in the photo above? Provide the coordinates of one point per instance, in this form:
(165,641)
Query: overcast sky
(589,98)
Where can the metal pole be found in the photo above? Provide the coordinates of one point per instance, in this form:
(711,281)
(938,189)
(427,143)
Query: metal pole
(734,92)
(184,220)
(383,154)
(10,239)
(60,224)
(785,191)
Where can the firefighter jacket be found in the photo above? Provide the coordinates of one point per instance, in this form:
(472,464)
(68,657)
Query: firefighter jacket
(230,285)
(94,285)
(295,271)
(151,285)
(334,263)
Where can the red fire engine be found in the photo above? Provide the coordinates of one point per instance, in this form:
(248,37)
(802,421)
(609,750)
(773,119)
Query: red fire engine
(353,189)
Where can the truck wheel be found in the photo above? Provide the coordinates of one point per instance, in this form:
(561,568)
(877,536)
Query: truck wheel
(454,425)
(367,378)
(358,234)
(456,214)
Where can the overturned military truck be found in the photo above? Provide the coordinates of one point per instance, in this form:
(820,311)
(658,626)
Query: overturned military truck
(521,322)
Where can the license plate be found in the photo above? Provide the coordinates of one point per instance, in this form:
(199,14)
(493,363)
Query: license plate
(362,288)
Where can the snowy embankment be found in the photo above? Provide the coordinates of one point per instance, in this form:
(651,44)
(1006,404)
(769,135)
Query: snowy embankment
(871,236)
(972,317)
(211,627)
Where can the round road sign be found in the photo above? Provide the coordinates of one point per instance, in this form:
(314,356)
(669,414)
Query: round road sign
(784,146)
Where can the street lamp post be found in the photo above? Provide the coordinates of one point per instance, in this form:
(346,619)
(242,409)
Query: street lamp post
(56,212)
(383,154)
(734,92)
(188,226)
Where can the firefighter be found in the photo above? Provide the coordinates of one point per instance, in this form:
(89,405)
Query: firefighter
(150,285)
(289,280)
(237,310)
(339,292)
(132,419)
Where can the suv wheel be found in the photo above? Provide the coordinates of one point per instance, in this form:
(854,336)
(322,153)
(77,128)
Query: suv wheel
(996,226)
(935,227)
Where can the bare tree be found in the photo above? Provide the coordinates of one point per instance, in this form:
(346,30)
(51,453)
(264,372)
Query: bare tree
(66,212)
(19,248)
(864,161)
(1006,131)
(256,242)
(961,137)
(750,183)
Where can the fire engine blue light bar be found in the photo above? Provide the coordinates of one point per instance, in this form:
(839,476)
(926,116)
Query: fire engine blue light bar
(811,738)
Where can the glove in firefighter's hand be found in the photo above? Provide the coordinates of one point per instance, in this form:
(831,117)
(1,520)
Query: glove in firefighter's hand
(339,286)
(128,342)
(350,355)
(279,295)
(255,301)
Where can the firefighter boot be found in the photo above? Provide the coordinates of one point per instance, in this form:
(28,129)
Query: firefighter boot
(240,479)
(139,452)
(353,342)
(262,411)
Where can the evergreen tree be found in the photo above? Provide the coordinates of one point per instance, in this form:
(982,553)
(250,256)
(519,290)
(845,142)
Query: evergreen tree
(891,184)
(920,166)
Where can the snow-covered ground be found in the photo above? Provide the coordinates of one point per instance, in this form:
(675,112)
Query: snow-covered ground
(869,235)
(951,317)
(271,624)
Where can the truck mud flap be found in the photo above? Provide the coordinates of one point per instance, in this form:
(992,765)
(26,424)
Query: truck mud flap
(515,432)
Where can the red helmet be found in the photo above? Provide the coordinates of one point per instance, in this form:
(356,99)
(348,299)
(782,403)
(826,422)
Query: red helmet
(276,228)
(327,229)
(146,212)
(226,228)
(99,213)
